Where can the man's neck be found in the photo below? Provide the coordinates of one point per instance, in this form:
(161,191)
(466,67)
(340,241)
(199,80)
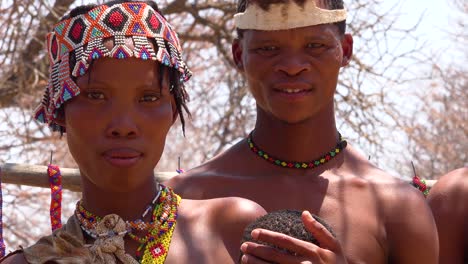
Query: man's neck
(302,142)
(128,205)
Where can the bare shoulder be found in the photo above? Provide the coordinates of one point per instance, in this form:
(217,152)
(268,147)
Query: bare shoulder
(197,182)
(391,190)
(449,194)
(447,200)
(228,210)
(192,184)
(16,258)
(410,229)
(453,185)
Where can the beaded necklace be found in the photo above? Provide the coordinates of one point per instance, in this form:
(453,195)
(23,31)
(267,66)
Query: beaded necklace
(298,164)
(154,245)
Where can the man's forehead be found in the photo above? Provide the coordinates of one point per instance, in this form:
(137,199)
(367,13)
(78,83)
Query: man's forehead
(315,32)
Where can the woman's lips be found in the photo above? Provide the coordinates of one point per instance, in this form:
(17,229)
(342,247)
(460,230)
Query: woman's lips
(122,157)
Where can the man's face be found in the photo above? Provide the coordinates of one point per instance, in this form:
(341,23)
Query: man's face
(116,128)
(293,74)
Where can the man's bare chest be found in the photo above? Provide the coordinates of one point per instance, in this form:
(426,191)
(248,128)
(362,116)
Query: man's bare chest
(353,213)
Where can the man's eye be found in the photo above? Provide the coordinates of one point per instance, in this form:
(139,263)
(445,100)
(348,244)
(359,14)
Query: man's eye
(95,95)
(315,45)
(149,98)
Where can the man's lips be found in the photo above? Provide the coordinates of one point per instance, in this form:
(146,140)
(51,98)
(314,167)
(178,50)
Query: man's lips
(292,87)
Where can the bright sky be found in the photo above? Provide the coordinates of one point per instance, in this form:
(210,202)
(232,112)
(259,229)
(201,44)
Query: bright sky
(438,19)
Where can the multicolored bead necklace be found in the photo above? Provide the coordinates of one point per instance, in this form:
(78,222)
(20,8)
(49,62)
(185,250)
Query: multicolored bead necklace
(154,246)
(298,164)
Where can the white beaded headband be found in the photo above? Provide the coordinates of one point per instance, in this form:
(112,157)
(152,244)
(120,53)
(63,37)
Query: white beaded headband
(289,15)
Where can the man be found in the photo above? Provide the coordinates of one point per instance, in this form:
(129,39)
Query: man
(448,201)
(115,89)
(290,53)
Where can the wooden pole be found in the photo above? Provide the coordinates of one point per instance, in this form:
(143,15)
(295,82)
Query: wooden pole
(36,175)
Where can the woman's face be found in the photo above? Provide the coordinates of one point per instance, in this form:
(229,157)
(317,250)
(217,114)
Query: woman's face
(116,127)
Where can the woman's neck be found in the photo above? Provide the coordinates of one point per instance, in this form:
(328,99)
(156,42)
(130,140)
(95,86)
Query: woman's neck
(128,205)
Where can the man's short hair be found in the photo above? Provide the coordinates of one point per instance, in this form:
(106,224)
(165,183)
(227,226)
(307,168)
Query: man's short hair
(288,222)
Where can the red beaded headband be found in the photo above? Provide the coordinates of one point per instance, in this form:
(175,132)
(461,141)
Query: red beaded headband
(75,42)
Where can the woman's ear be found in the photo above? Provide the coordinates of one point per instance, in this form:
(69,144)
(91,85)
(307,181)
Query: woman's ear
(60,119)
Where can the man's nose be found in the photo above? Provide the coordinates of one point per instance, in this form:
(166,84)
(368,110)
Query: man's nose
(293,64)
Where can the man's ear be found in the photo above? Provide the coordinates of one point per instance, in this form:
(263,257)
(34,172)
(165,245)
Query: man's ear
(237,54)
(347,46)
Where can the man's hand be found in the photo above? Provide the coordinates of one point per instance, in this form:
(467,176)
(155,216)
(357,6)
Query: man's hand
(303,252)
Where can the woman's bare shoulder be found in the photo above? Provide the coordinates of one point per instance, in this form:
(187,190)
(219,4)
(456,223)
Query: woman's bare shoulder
(16,257)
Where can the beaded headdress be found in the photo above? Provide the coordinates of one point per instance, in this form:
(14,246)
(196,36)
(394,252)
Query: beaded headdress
(288,15)
(77,41)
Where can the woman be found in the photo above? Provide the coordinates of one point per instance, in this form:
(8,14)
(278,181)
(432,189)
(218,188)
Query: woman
(116,87)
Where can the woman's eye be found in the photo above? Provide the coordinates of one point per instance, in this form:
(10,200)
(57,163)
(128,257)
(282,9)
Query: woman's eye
(95,95)
(268,48)
(149,98)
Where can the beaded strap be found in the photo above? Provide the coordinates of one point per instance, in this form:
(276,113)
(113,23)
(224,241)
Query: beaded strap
(55,181)
(157,248)
(2,243)
(298,164)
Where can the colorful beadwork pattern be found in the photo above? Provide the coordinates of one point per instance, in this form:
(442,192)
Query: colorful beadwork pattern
(75,42)
(2,243)
(420,184)
(55,182)
(298,164)
(154,246)
(158,243)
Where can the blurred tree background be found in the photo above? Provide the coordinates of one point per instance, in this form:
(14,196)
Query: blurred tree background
(396,102)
